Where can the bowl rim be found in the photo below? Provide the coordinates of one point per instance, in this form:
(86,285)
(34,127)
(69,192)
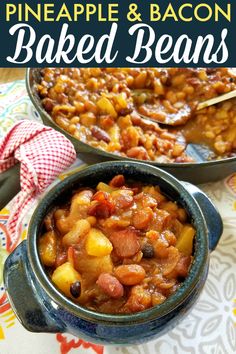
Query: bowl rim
(90,149)
(158,311)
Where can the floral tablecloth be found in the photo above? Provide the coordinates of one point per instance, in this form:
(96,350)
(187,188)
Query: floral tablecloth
(210,328)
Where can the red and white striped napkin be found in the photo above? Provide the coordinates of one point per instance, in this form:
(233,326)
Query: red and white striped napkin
(43,154)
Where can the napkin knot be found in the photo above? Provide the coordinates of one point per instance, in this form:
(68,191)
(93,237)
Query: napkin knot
(43,154)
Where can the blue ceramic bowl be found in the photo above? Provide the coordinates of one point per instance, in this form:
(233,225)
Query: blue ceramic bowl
(40,307)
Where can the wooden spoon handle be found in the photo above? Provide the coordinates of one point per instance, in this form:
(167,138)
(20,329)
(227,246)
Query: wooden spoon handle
(216,100)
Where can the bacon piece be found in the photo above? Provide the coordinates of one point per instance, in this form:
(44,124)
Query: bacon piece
(141,218)
(125,242)
(102,207)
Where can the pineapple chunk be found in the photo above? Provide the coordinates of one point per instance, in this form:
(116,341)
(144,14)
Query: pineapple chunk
(91,267)
(121,100)
(64,276)
(97,244)
(106,107)
(185,240)
(47,248)
(105,187)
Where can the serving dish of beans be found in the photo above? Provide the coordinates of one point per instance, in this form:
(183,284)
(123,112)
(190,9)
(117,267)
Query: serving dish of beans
(102,107)
(122,247)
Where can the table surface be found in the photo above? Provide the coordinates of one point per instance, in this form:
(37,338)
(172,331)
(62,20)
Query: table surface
(210,327)
(11,74)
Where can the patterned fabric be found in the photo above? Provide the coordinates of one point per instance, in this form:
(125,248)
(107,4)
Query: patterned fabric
(210,328)
(43,153)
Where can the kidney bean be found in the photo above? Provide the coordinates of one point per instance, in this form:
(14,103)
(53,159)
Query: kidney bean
(138,152)
(110,285)
(182,266)
(130,274)
(117,181)
(48,104)
(125,242)
(141,218)
(100,134)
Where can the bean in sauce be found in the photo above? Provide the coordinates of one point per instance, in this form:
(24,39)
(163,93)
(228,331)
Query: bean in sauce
(101,107)
(110,260)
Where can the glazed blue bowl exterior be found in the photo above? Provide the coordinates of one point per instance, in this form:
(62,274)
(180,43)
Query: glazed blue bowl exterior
(40,307)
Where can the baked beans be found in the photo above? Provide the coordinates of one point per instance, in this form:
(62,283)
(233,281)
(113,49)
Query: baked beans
(102,107)
(122,247)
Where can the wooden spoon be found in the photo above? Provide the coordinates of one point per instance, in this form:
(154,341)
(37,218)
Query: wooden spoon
(184,114)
